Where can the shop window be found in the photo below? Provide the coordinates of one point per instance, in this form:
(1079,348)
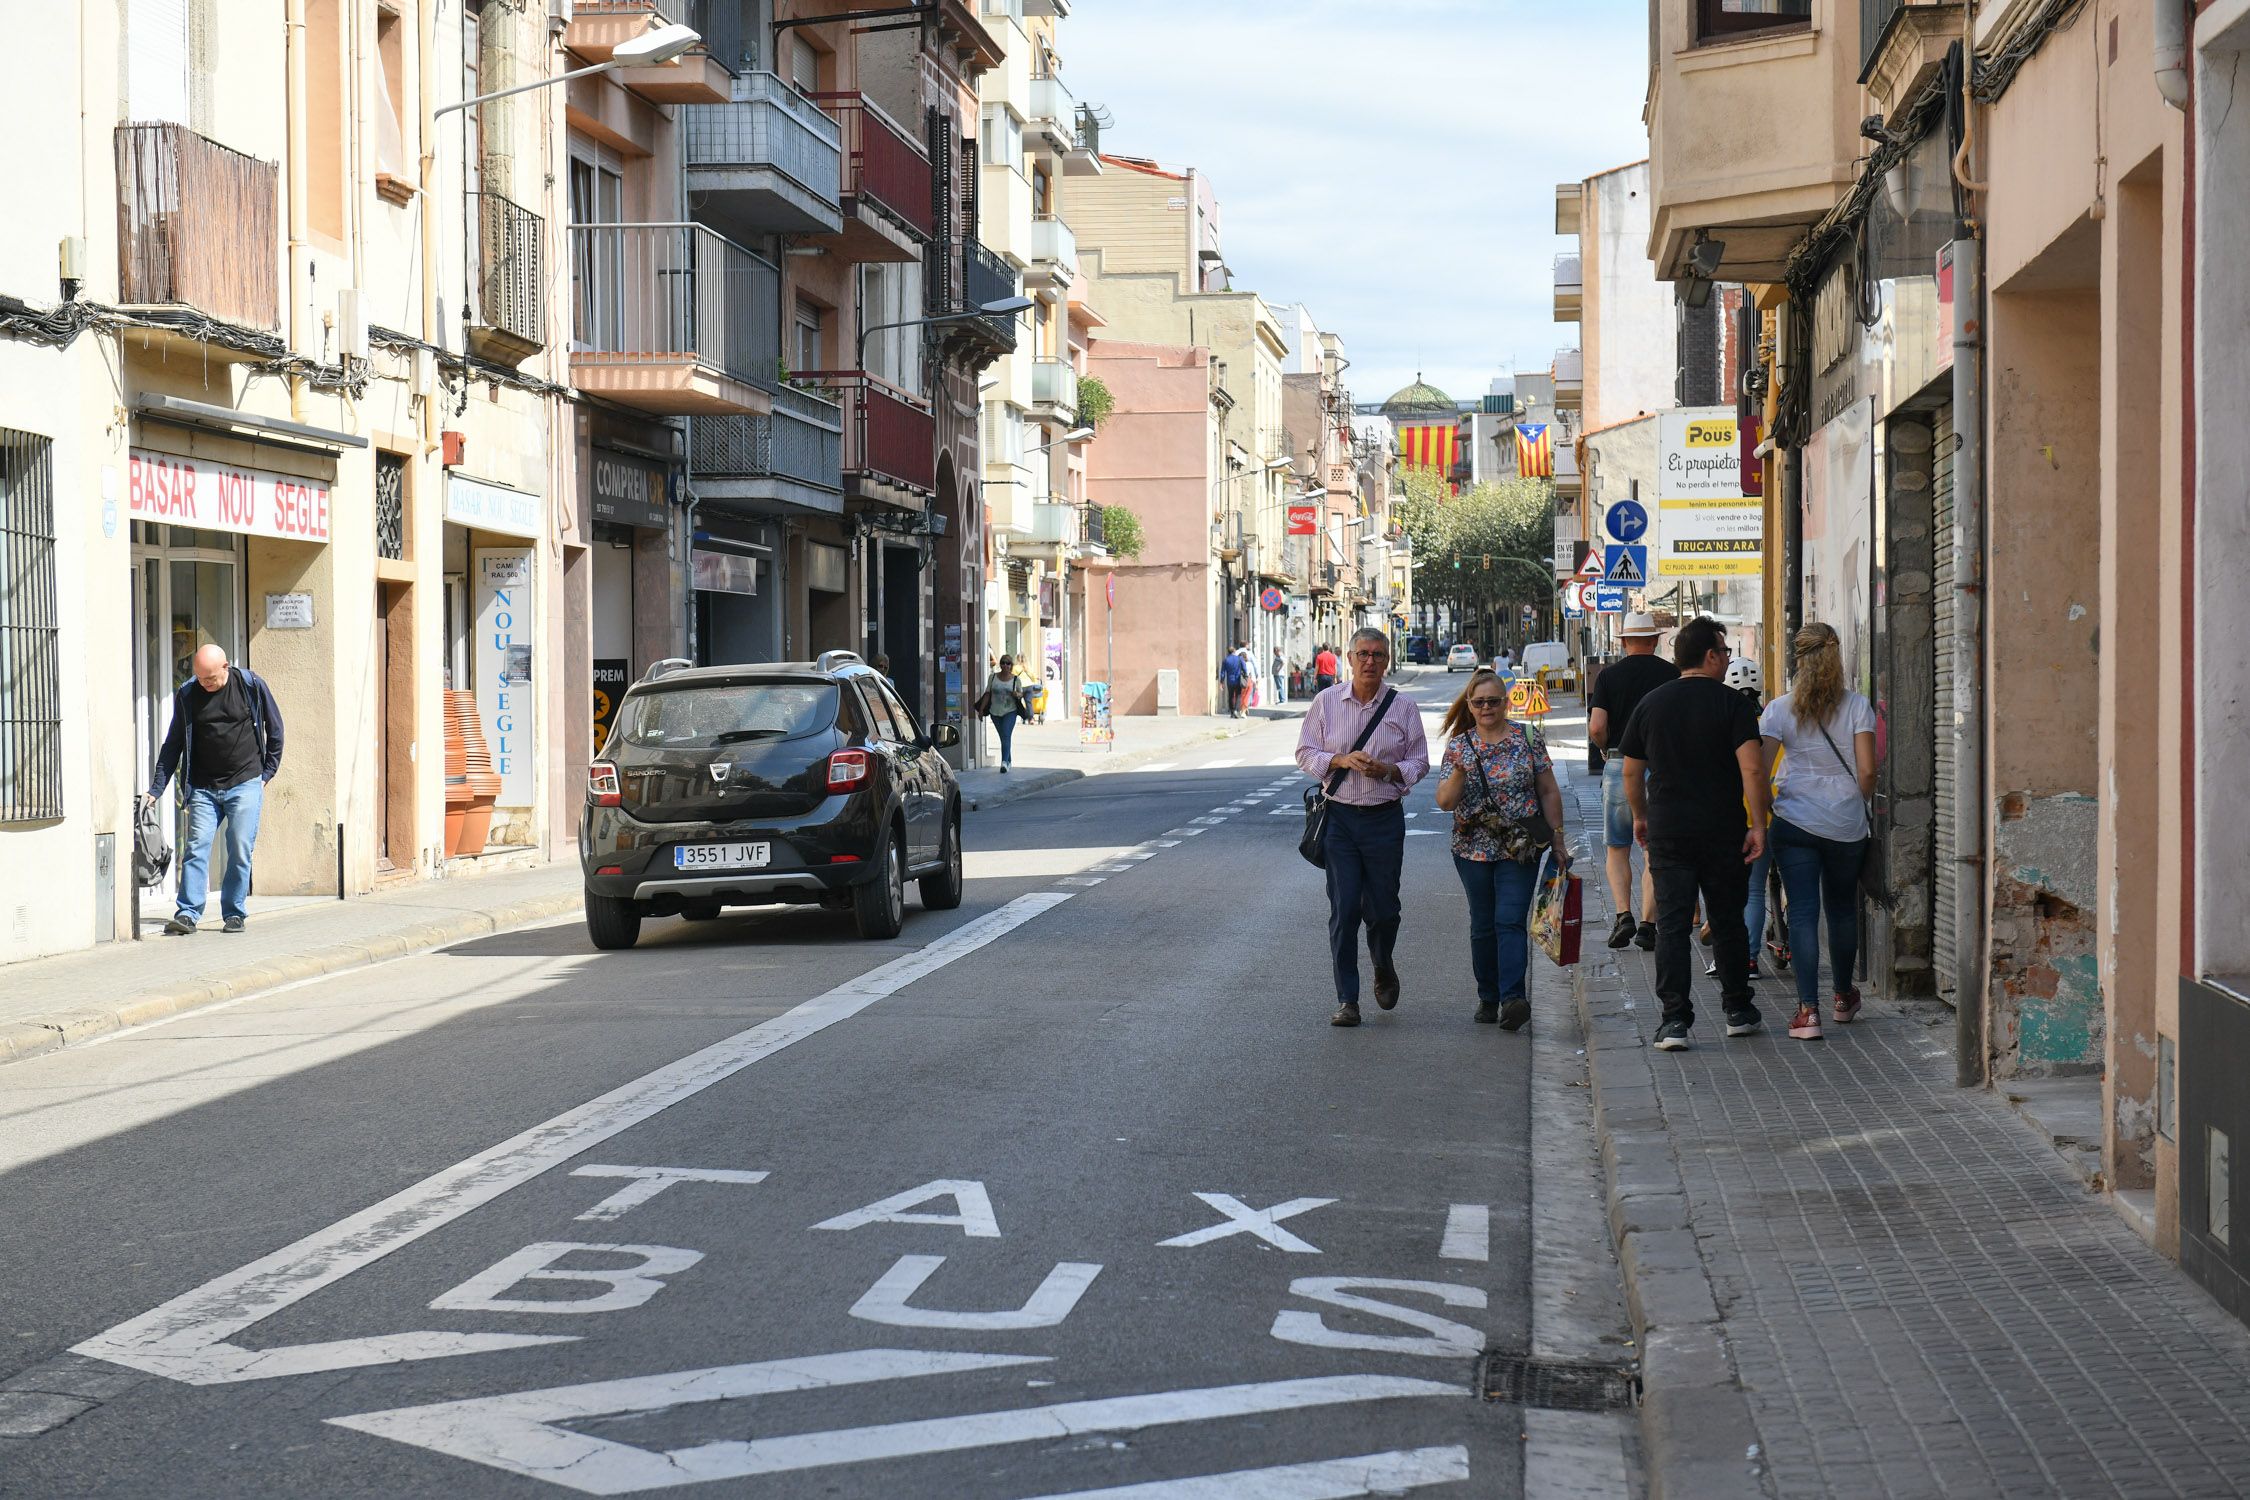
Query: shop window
(390,507)
(1723,20)
(30,662)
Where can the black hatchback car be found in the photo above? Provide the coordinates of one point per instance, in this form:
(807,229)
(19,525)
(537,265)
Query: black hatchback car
(807,782)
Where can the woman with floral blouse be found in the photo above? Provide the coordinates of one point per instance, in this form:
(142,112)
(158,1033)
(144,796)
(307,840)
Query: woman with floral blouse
(1499,785)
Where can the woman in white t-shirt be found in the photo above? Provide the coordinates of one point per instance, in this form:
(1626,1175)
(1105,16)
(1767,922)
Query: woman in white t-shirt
(1820,827)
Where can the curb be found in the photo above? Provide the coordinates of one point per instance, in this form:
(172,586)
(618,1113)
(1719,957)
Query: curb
(1033,781)
(1696,1429)
(52,1033)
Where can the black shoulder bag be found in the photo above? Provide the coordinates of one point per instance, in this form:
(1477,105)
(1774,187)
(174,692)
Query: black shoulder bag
(1874,880)
(1316,798)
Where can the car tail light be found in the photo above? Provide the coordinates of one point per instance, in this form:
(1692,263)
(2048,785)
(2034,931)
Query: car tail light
(847,770)
(843,859)
(601,782)
(610,870)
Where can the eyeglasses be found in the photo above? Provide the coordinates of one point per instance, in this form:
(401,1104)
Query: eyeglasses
(1371,656)
(1488,703)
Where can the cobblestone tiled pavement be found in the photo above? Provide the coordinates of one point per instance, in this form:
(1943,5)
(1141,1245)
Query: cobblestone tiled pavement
(1921,1298)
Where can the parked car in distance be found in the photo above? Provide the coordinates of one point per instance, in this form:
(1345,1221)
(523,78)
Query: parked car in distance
(775,784)
(1418,649)
(1462,658)
(1554,656)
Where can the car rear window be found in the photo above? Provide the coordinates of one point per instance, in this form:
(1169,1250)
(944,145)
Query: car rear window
(692,718)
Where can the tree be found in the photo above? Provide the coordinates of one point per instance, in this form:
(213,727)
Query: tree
(1121,531)
(1484,551)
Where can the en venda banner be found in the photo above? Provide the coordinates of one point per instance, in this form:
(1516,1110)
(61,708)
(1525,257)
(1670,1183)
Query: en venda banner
(1706,527)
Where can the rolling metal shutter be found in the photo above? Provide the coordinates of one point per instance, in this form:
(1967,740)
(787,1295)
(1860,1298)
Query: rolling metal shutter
(1946,872)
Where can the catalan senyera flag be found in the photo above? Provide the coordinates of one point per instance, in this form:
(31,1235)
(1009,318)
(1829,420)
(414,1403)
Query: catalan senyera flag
(1535,451)
(1428,446)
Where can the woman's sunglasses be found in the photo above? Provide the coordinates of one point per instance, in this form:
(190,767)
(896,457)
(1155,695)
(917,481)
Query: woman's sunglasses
(1488,703)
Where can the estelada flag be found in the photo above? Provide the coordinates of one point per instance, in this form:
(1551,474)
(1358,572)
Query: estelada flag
(1535,451)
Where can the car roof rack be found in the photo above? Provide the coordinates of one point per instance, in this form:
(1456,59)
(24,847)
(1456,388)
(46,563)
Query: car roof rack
(665,668)
(830,661)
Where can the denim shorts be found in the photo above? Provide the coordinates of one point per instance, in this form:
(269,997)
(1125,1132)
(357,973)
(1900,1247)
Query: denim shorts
(1617,813)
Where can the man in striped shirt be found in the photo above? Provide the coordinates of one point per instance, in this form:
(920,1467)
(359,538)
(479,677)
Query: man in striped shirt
(1366,833)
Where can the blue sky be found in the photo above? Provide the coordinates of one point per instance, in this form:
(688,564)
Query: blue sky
(1389,163)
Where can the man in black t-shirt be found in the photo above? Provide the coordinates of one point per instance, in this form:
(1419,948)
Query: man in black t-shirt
(225,741)
(1694,776)
(1617,692)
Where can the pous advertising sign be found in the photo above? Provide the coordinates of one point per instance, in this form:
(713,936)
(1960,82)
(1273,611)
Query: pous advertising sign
(1706,527)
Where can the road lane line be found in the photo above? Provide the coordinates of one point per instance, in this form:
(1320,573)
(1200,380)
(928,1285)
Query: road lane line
(1392,1473)
(1162,765)
(1468,1233)
(1218,765)
(186,1339)
(517,1432)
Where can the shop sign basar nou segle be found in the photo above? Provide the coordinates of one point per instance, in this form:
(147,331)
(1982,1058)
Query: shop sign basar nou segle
(1706,527)
(492,507)
(225,497)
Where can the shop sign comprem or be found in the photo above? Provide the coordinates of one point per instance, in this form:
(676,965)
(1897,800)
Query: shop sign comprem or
(1706,527)
(628,491)
(225,497)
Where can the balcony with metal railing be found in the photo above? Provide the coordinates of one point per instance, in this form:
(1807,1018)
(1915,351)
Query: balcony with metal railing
(1054,523)
(673,319)
(1084,158)
(1053,264)
(793,454)
(702,76)
(768,161)
(509,323)
(1569,290)
(986,277)
(890,192)
(1901,44)
(1054,391)
(197,224)
(890,437)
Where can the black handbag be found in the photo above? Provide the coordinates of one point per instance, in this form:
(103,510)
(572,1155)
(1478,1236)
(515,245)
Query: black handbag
(1874,877)
(1311,844)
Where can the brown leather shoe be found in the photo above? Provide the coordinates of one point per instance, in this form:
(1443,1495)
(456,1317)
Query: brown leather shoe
(1386,988)
(1347,1014)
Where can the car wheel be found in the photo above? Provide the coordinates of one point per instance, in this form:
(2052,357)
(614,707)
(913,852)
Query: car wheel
(942,891)
(612,921)
(879,905)
(701,911)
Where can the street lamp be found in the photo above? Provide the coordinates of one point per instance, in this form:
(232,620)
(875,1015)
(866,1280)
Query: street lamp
(647,50)
(1005,307)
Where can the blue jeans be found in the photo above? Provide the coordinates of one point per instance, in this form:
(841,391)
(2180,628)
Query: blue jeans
(1499,892)
(1366,849)
(238,807)
(1617,811)
(1816,873)
(1006,724)
(1754,914)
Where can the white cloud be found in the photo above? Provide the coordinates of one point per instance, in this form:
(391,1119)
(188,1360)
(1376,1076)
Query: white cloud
(1391,165)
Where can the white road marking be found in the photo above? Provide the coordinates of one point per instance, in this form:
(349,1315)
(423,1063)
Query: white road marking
(973,1214)
(1162,765)
(1139,854)
(649,1181)
(516,1432)
(1392,1473)
(186,1339)
(1218,765)
(1241,1218)
(1082,880)
(886,1301)
(629,1286)
(1468,1233)
(1167,843)
(1446,1338)
(1285,760)
(1208,821)
(1424,833)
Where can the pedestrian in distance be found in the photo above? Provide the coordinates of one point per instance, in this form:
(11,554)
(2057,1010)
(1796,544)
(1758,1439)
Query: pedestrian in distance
(882,664)
(1365,838)
(225,742)
(1002,701)
(1234,675)
(1324,666)
(1745,677)
(1618,690)
(1824,736)
(1505,664)
(1280,677)
(1499,784)
(1695,777)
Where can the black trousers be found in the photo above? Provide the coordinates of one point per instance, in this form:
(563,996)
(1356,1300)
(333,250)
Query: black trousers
(1366,855)
(1684,869)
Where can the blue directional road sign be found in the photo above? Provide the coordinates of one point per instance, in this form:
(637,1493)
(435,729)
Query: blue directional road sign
(1626,520)
(1606,599)
(1625,566)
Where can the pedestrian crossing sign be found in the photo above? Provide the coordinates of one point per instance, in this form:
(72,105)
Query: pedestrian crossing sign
(1626,566)
(1528,700)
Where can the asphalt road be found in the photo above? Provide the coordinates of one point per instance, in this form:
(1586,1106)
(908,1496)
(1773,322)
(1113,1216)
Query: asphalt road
(1070,1192)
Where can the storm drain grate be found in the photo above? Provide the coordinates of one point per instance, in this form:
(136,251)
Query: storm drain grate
(1557,1385)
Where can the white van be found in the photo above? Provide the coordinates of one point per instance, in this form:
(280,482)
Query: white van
(1552,655)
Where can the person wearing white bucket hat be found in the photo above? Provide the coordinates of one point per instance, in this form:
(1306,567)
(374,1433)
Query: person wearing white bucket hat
(1616,693)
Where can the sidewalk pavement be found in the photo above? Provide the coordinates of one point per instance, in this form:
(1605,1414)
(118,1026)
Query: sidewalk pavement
(56,1002)
(1050,754)
(1851,1278)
